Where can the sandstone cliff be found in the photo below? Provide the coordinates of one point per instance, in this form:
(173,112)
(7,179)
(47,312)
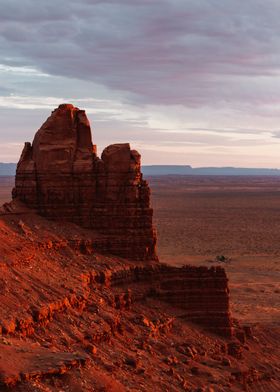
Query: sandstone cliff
(61,177)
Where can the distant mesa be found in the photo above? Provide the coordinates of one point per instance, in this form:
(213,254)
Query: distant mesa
(9,169)
(61,176)
(158,170)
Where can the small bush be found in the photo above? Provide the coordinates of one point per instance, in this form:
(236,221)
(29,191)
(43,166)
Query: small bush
(222,259)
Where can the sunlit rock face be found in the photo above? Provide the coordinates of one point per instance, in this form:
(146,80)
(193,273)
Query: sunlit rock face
(60,176)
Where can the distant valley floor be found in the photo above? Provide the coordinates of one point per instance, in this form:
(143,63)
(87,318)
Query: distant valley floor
(199,218)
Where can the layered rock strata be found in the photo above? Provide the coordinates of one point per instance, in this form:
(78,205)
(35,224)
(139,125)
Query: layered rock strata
(201,294)
(61,176)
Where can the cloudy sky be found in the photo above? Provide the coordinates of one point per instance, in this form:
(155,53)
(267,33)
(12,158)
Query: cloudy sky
(184,81)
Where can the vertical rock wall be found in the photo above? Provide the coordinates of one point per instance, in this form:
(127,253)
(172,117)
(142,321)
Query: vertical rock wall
(60,175)
(200,294)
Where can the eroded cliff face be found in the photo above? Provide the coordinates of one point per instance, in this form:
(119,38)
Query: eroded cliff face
(60,175)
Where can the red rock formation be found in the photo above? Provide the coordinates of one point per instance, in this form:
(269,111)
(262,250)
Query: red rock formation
(201,294)
(61,176)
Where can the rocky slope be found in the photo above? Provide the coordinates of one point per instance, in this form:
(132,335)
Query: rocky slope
(75,320)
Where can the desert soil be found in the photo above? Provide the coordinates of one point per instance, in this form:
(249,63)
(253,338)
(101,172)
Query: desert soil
(199,218)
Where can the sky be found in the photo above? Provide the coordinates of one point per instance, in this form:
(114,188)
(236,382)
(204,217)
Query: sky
(193,82)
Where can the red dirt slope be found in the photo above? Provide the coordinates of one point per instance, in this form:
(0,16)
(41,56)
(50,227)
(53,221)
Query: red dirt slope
(74,320)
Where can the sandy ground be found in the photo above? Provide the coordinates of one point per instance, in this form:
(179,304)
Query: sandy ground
(199,218)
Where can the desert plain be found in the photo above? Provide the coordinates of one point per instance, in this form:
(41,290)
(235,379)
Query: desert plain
(201,217)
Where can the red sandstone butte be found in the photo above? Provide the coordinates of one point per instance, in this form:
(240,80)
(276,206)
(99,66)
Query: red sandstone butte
(61,176)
